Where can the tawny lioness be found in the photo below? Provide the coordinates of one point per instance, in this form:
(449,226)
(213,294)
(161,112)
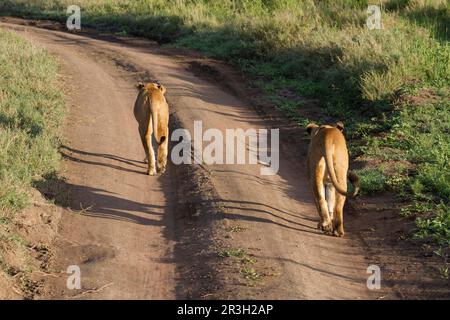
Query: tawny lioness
(327,169)
(152,113)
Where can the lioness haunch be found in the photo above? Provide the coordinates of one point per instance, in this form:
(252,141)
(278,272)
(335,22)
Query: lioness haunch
(152,113)
(327,169)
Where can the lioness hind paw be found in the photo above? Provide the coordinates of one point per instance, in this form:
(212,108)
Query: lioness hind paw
(162,169)
(338,233)
(326,228)
(151,172)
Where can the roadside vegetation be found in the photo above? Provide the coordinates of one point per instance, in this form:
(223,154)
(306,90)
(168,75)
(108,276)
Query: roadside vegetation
(389,86)
(31,109)
(245,262)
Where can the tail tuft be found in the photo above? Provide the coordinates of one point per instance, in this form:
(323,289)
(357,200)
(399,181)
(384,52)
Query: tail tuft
(355,182)
(162,139)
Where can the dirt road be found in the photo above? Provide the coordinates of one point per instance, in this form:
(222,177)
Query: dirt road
(120,224)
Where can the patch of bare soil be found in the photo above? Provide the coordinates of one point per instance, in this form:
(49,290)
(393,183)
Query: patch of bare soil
(409,267)
(26,255)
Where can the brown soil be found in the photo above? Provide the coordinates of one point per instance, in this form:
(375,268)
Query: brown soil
(166,237)
(25,261)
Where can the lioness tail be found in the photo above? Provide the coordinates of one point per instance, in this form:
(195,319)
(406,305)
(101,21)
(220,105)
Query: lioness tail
(330,167)
(355,182)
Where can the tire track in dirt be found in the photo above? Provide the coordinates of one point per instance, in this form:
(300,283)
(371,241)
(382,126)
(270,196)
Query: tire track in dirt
(127,237)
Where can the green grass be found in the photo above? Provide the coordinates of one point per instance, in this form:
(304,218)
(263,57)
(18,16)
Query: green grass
(251,274)
(31,108)
(322,50)
(436,227)
(372,180)
(233,252)
(244,261)
(237,253)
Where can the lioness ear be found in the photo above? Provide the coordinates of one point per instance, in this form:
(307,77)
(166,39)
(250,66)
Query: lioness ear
(139,85)
(340,125)
(310,127)
(162,89)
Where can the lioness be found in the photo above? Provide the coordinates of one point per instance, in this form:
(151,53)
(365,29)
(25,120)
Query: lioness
(327,166)
(152,113)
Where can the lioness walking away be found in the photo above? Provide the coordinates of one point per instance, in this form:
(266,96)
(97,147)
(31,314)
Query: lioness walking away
(152,113)
(327,167)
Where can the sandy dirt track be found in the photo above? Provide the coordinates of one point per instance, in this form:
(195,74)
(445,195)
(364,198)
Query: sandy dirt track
(120,226)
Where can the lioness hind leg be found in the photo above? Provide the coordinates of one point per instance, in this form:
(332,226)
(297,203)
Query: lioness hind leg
(151,170)
(151,153)
(162,154)
(338,223)
(144,143)
(331,199)
(142,132)
(319,194)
